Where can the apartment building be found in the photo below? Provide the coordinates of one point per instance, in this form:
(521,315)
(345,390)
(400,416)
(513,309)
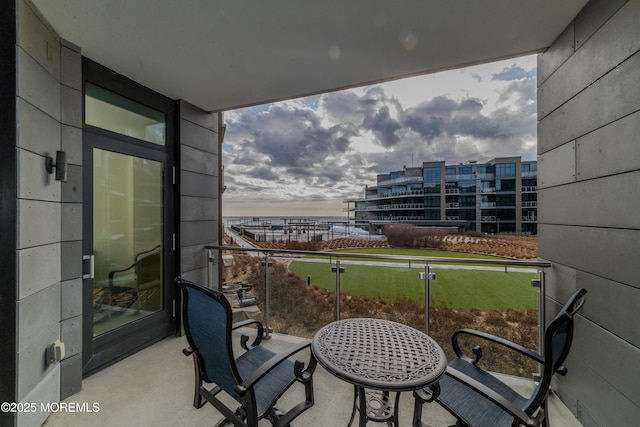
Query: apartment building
(497,196)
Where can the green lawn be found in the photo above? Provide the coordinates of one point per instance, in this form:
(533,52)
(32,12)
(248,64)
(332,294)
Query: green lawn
(455,288)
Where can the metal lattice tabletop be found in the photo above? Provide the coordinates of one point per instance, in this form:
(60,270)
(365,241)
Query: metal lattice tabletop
(379,354)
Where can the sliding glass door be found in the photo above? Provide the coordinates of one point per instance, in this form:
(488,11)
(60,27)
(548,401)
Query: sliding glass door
(128,254)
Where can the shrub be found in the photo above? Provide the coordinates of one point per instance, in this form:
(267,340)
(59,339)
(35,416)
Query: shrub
(410,236)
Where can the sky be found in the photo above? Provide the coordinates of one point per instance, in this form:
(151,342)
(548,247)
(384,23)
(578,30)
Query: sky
(303,157)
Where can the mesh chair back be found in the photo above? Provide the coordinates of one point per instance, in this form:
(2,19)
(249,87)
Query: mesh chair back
(207,324)
(557,343)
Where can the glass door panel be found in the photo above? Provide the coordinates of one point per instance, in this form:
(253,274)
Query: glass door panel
(127,239)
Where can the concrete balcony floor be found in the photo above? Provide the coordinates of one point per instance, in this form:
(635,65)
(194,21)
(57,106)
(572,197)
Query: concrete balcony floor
(154,387)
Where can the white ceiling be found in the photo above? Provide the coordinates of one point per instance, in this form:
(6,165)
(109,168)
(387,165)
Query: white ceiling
(224,54)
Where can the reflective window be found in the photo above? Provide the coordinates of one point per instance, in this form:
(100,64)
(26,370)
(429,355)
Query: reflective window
(107,110)
(432,173)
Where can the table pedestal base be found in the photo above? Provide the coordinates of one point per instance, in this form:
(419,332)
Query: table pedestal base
(377,407)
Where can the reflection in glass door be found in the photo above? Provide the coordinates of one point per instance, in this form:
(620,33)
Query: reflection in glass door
(127,239)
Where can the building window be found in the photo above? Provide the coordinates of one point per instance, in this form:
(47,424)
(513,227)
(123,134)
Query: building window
(432,187)
(107,110)
(432,202)
(505,170)
(432,173)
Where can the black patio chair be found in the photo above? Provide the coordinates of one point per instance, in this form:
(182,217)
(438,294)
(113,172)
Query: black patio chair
(479,399)
(256,379)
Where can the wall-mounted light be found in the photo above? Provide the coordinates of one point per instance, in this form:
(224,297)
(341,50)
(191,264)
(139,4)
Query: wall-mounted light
(59,167)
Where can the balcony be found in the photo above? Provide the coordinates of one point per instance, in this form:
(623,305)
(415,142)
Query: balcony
(155,386)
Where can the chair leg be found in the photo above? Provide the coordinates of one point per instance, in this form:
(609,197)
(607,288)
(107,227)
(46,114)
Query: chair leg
(198,402)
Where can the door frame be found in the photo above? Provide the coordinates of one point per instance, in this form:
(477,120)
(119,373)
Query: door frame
(114,345)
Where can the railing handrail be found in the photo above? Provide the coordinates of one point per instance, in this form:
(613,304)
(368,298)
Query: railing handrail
(428,260)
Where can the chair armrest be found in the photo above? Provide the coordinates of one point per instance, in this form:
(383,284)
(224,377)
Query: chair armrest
(302,375)
(244,338)
(478,351)
(491,395)
(112,273)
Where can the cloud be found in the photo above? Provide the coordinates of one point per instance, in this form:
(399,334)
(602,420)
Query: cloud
(514,73)
(328,146)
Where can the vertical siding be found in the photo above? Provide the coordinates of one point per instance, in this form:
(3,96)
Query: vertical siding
(199,182)
(589,199)
(39,196)
(49,213)
(71,220)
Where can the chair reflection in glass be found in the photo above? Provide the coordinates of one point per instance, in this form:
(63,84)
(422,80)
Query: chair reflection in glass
(256,379)
(477,398)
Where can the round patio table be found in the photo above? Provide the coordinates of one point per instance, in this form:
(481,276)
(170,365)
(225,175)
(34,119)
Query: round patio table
(378,357)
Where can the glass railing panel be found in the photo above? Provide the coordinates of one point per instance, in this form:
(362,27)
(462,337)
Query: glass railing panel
(491,299)
(489,296)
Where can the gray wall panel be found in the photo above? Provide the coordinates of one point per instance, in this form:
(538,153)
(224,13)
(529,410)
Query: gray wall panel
(71,376)
(71,142)
(609,150)
(196,115)
(561,283)
(37,39)
(198,137)
(576,200)
(549,61)
(38,268)
(194,257)
(70,66)
(72,189)
(37,86)
(198,208)
(37,132)
(71,260)
(593,16)
(71,335)
(198,232)
(610,253)
(557,167)
(594,96)
(612,305)
(34,181)
(70,298)
(71,221)
(71,106)
(593,60)
(612,97)
(615,358)
(39,322)
(195,160)
(199,190)
(41,223)
(199,185)
(46,391)
(597,403)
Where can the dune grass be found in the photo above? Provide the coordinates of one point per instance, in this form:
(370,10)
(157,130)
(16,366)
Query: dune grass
(453,288)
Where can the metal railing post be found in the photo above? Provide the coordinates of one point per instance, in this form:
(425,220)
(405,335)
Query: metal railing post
(427,276)
(541,310)
(267,298)
(210,268)
(337,269)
